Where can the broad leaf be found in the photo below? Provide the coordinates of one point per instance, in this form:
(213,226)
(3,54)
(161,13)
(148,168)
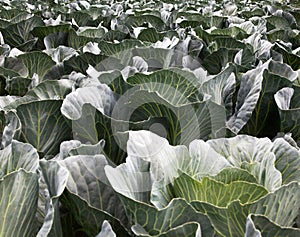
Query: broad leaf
(89,188)
(16,156)
(55,178)
(18,189)
(259,225)
(217,193)
(37,62)
(43,125)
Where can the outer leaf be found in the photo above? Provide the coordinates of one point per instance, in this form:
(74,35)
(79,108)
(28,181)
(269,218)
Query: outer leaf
(12,128)
(61,53)
(81,62)
(266,168)
(184,123)
(218,60)
(229,175)
(229,222)
(43,125)
(176,86)
(289,109)
(265,122)
(18,85)
(72,105)
(249,149)
(55,178)
(281,206)
(89,217)
(37,62)
(18,189)
(217,193)
(131,179)
(51,90)
(288,57)
(190,229)
(84,149)
(287,160)
(248,95)
(223,87)
(46,90)
(252,154)
(204,161)
(42,31)
(16,156)
(256,92)
(89,188)
(268,228)
(176,214)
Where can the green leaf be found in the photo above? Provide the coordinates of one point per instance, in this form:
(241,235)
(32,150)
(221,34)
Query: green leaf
(61,53)
(85,149)
(42,31)
(223,87)
(277,22)
(112,35)
(51,90)
(252,154)
(190,229)
(149,35)
(89,120)
(203,161)
(232,174)
(131,179)
(11,127)
(182,123)
(281,206)
(81,62)
(90,191)
(43,125)
(153,20)
(256,92)
(18,189)
(241,148)
(176,214)
(234,32)
(265,122)
(120,50)
(288,57)
(37,62)
(231,221)
(265,168)
(88,217)
(16,156)
(46,90)
(55,177)
(226,42)
(174,85)
(18,86)
(267,228)
(20,33)
(215,62)
(91,32)
(75,41)
(289,109)
(72,105)
(287,160)
(217,193)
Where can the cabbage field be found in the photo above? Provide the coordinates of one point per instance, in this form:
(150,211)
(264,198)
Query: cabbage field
(149,118)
